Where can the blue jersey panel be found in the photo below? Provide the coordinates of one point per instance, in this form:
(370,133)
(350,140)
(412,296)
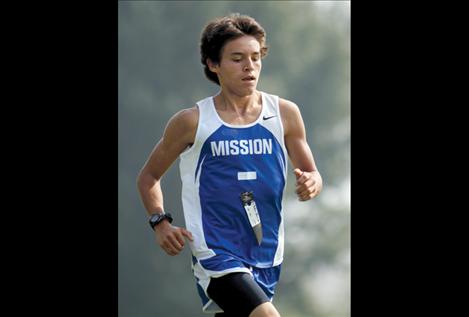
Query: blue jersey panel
(227,156)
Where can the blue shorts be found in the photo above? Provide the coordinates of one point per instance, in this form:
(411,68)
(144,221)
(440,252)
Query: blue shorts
(265,278)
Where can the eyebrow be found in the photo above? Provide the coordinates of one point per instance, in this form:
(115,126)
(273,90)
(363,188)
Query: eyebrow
(239,53)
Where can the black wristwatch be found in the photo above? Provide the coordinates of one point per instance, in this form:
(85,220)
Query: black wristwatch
(157,218)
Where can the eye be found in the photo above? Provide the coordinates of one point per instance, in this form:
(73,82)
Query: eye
(255,58)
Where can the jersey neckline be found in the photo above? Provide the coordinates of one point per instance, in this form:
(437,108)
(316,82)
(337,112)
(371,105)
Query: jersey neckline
(263,106)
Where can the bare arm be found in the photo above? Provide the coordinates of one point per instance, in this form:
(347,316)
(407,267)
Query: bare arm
(178,135)
(309,180)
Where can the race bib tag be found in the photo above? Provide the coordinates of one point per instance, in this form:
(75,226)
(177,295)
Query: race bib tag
(250,207)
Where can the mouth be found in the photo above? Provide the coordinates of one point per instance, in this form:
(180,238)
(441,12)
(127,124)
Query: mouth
(249,78)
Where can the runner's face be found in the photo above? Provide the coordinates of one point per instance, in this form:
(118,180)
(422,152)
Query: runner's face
(240,65)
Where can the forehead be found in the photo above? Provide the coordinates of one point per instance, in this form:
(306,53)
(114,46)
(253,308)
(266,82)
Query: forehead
(245,44)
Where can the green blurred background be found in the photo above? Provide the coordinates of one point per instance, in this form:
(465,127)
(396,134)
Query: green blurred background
(160,73)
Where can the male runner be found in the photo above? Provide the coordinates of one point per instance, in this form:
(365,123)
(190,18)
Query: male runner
(233,150)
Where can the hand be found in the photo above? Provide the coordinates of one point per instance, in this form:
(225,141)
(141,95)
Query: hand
(308,184)
(171,238)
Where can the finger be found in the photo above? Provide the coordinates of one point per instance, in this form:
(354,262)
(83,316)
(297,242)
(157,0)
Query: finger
(169,248)
(297,172)
(187,234)
(165,246)
(314,193)
(172,253)
(169,251)
(179,237)
(306,181)
(304,198)
(303,187)
(309,194)
(175,243)
(305,192)
(300,188)
(302,179)
(310,182)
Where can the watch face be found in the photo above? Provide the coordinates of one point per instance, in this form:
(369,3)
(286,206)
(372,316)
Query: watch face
(155,217)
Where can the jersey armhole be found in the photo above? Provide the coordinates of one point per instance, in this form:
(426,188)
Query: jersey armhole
(282,130)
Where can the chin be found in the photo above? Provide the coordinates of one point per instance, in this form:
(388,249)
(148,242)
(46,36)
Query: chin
(251,90)
(245,91)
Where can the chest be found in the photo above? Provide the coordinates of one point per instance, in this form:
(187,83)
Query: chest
(244,118)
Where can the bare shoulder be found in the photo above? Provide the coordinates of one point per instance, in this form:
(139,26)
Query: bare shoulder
(287,107)
(290,113)
(183,125)
(188,117)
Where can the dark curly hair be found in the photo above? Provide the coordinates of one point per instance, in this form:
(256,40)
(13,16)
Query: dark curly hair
(223,29)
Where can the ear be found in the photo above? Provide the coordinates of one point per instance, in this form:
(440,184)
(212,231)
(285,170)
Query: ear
(212,66)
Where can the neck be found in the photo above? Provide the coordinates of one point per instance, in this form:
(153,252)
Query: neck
(230,101)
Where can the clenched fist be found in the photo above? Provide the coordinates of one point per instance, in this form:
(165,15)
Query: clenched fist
(171,238)
(308,184)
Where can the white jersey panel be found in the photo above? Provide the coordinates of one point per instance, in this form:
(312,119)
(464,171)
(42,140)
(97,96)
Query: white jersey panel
(207,124)
(271,112)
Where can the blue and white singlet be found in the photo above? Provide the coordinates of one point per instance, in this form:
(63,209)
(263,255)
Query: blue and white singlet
(225,161)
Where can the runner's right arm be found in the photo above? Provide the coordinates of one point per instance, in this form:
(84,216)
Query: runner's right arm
(178,135)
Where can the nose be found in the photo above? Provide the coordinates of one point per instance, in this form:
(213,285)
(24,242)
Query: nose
(249,65)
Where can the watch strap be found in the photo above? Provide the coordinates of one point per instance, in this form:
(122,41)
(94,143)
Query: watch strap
(155,219)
